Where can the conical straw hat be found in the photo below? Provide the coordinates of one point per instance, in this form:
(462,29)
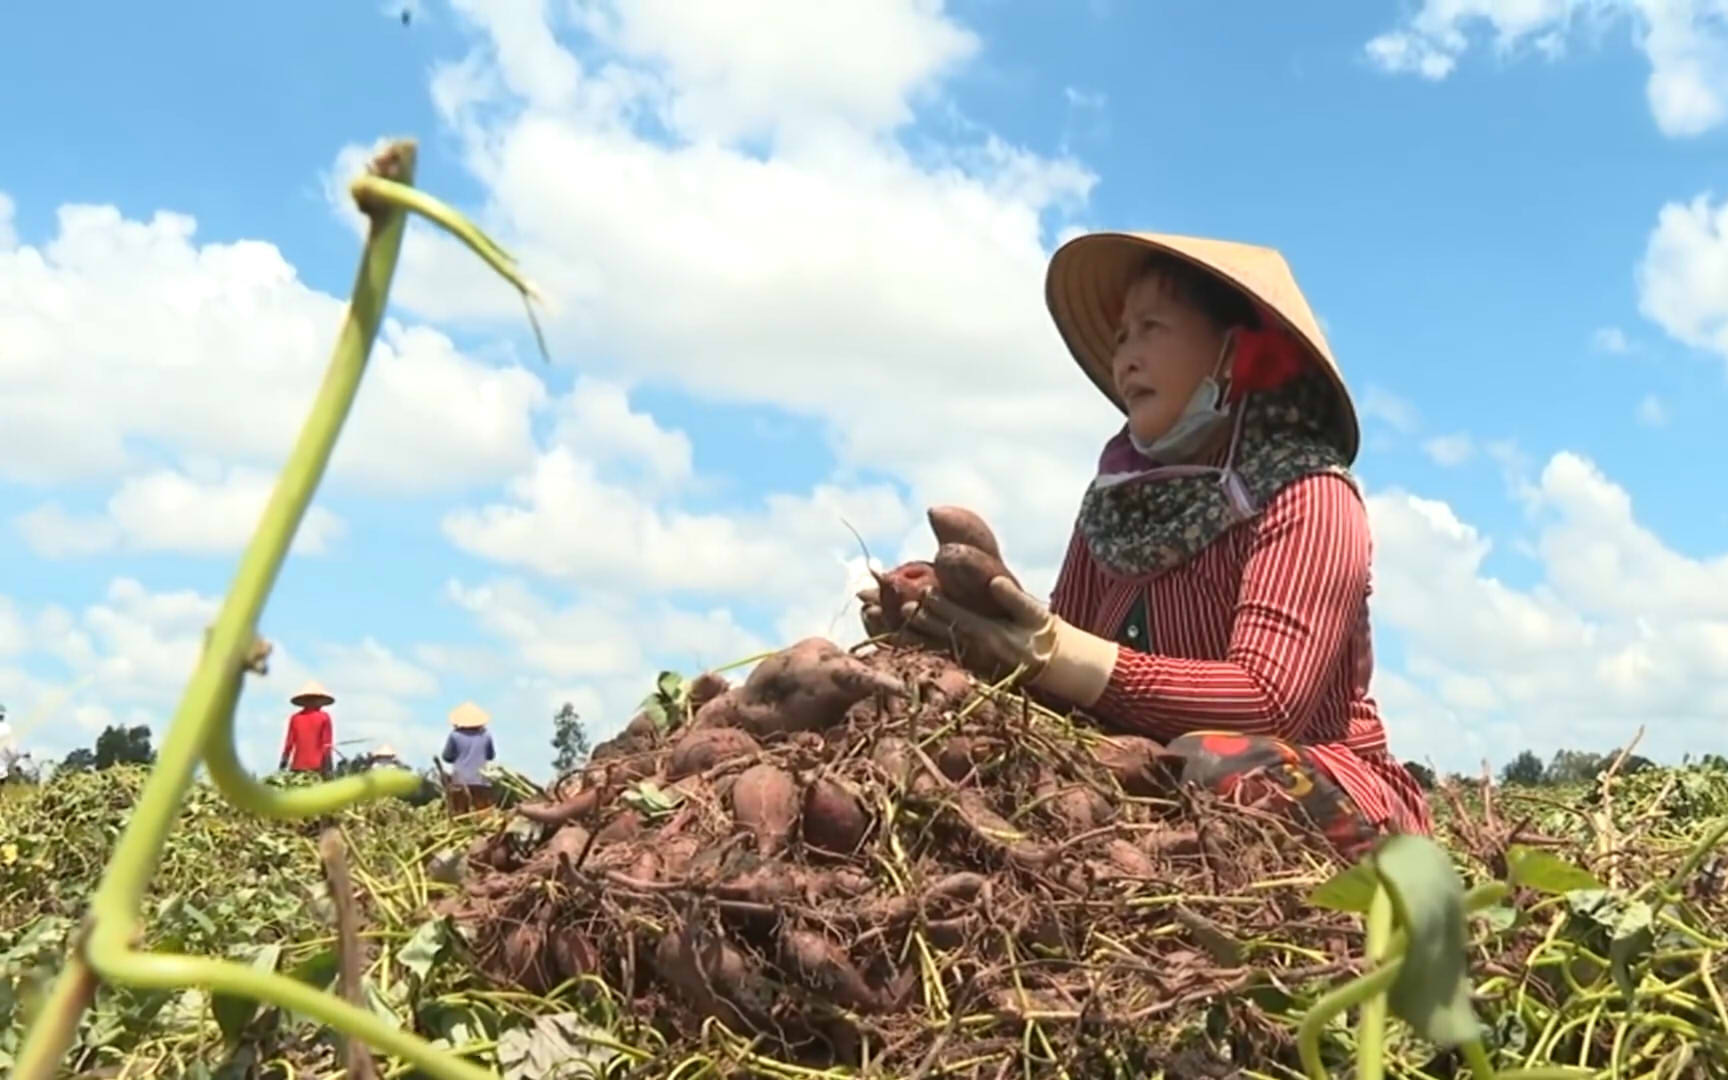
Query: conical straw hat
(1089,277)
(312,693)
(468,715)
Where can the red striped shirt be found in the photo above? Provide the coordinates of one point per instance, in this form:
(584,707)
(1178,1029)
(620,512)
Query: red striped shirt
(1264,632)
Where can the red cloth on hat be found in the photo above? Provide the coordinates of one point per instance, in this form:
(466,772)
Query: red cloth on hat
(309,740)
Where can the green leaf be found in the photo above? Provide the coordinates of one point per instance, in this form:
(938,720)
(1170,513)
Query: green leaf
(655,710)
(670,684)
(1432,991)
(1347,890)
(197,915)
(1632,936)
(652,799)
(1546,872)
(1500,918)
(424,948)
(560,1046)
(233,1014)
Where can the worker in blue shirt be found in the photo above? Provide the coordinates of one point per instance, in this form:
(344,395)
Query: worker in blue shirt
(468,748)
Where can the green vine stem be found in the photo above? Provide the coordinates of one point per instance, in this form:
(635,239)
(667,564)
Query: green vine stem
(1371,1043)
(202,729)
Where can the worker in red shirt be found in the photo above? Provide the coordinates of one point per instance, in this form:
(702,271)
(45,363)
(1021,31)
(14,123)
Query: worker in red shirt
(310,740)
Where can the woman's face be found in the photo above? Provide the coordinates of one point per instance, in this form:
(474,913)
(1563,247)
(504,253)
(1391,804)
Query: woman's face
(1164,347)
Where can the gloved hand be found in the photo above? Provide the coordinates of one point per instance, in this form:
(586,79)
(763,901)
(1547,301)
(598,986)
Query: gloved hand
(1056,656)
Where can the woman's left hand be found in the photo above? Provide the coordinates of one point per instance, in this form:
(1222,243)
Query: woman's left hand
(1052,654)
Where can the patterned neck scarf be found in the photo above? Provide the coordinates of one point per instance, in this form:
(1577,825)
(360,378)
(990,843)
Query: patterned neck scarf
(1141,519)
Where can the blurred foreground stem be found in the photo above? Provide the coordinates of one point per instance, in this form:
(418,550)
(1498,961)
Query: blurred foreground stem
(202,729)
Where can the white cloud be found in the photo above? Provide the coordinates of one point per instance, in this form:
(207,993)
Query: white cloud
(784,248)
(8,233)
(1685,42)
(596,422)
(1619,630)
(601,652)
(1378,403)
(167,510)
(1611,339)
(126,659)
(1450,450)
(565,522)
(229,347)
(1083,99)
(734,70)
(1683,275)
(1651,411)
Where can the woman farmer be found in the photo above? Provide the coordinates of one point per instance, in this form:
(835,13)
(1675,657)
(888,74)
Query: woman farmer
(1214,592)
(310,741)
(468,748)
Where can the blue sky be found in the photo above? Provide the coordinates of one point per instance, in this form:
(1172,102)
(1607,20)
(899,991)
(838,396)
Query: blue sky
(769,255)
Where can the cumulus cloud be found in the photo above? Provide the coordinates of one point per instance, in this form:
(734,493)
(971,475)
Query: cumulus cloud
(228,346)
(1618,630)
(599,652)
(1450,450)
(125,659)
(1683,275)
(167,510)
(724,214)
(1611,339)
(1685,43)
(1397,413)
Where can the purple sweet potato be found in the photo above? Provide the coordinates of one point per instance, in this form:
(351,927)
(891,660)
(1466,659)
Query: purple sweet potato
(963,575)
(824,966)
(958,525)
(834,817)
(1128,860)
(580,804)
(806,687)
(1139,764)
(902,585)
(960,755)
(700,749)
(715,978)
(1078,808)
(705,688)
(765,801)
(995,831)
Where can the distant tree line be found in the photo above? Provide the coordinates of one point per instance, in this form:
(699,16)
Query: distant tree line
(1565,768)
(1568,767)
(117,745)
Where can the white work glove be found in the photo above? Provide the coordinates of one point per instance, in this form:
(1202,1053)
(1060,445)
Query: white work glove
(1054,656)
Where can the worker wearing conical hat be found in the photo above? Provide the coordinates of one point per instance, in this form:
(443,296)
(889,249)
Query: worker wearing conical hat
(1214,592)
(468,748)
(311,740)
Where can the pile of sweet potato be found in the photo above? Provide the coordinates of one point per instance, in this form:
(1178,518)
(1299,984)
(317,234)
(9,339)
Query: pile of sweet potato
(820,854)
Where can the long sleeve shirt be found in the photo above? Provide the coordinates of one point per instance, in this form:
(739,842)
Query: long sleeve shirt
(309,740)
(1264,632)
(468,750)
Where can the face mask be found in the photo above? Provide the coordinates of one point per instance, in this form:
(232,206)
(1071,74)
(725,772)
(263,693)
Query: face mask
(1201,418)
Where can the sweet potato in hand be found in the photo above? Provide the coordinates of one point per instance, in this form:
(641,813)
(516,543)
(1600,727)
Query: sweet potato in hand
(963,575)
(958,525)
(900,586)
